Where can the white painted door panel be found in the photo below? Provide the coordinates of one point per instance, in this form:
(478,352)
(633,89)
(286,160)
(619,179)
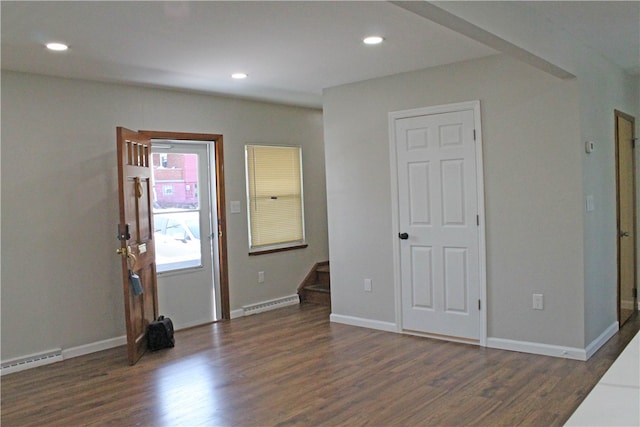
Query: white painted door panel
(438,207)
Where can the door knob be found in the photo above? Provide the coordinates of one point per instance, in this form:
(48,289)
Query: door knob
(403,236)
(624,234)
(127,252)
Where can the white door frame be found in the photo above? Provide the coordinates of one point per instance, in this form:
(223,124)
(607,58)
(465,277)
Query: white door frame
(439,109)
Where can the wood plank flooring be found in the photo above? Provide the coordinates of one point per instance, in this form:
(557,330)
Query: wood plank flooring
(292,367)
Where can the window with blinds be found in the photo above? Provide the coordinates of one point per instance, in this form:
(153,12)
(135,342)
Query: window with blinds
(275,199)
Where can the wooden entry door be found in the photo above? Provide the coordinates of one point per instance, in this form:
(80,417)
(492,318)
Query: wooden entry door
(136,237)
(438,208)
(627,292)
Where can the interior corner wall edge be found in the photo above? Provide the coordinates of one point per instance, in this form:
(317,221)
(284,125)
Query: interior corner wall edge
(533,193)
(603,89)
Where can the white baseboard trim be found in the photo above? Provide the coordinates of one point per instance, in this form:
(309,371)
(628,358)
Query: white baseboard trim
(555,350)
(364,323)
(93,347)
(602,339)
(537,348)
(29,361)
(57,355)
(181,326)
(236,313)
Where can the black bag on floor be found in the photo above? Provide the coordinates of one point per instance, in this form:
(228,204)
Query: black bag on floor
(160,334)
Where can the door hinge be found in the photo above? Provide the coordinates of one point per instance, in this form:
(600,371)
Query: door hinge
(479,305)
(635,292)
(478,220)
(474,134)
(633,142)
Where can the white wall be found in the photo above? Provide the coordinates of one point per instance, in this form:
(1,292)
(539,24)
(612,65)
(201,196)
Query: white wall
(603,89)
(60,274)
(533,191)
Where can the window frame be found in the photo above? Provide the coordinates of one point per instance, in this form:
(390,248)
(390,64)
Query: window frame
(275,247)
(167,190)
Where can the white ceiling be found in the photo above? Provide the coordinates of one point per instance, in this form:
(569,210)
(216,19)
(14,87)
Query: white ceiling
(611,28)
(291,50)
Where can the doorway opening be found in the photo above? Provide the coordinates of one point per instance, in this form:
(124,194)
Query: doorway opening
(190,227)
(626,216)
(436,163)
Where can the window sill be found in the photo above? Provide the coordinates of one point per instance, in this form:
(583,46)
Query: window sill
(270,251)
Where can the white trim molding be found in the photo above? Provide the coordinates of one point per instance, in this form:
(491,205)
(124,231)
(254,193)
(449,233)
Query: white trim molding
(236,313)
(93,347)
(556,350)
(364,323)
(602,339)
(29,361)
(538,348)
(58,355)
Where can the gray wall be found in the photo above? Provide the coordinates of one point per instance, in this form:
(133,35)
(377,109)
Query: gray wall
(60,274)
(533,193)
(603,88)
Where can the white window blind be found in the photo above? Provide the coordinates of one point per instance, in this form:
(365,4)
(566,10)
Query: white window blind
(274,192)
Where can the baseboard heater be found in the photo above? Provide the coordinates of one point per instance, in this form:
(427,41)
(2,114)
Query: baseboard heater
(270,305)
(31,361)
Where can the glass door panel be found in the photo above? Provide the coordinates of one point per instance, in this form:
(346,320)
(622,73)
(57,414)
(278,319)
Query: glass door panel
(176,210)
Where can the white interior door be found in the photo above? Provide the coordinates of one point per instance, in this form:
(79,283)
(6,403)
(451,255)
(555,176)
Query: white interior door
(183,232)
(438,213)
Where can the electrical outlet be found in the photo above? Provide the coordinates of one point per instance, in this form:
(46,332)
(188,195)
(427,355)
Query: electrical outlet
(260,276)
(367,285)
(538,302)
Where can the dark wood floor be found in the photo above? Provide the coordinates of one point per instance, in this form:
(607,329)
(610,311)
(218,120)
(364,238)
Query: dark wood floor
(292,367)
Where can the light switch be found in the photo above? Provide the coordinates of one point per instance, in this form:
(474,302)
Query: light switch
(589,147)
(235,206)
(538,302)
(590,205)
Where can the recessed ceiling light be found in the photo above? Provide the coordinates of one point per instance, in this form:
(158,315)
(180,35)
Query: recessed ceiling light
(373,40)
(239,76)
(57,46)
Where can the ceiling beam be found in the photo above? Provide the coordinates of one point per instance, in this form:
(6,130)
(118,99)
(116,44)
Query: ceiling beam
(454,22)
